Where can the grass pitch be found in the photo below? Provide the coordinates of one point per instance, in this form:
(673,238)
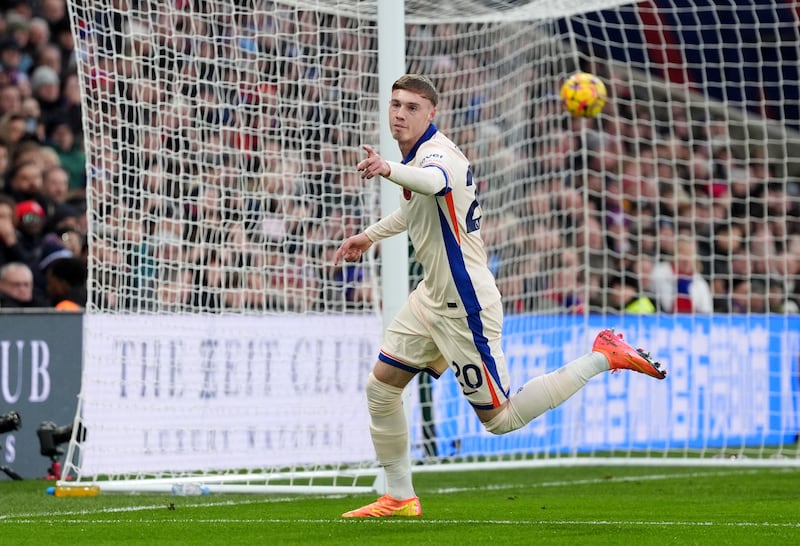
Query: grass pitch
(579,505)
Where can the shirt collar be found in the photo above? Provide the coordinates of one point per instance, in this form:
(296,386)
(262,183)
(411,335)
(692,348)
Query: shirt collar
(426,136)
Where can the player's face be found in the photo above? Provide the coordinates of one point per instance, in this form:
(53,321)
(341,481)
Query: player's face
(409,117)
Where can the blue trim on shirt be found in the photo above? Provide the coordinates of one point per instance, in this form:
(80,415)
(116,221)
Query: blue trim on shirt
(482,344)
(466,290)
(444,191)
(458,268)
(426,136)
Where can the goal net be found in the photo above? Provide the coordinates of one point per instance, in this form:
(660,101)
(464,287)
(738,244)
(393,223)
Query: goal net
(223,347)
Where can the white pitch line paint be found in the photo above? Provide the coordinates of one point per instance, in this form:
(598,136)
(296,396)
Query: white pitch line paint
(90,514)
(411,521)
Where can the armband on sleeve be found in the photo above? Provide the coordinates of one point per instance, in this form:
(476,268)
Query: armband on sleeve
(423,180)
(386,227)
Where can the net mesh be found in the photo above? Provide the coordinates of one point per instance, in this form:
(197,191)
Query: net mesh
(222,139)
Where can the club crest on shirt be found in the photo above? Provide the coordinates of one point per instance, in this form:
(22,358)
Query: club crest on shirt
(406,194)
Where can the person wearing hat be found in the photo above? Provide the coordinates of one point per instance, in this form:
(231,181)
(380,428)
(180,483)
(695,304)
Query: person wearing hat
(29,220)
(51,250)
(63,216)
(46,88)
(45,83)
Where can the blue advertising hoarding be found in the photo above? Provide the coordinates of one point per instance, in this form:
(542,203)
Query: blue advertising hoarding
(733,381)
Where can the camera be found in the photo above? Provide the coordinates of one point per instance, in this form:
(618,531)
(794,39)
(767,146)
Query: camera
(10,421)
(52,436)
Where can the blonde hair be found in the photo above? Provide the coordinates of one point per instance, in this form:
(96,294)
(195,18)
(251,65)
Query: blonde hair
(418,84)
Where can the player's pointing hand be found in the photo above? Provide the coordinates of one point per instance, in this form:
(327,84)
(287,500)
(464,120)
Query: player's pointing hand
(374,165)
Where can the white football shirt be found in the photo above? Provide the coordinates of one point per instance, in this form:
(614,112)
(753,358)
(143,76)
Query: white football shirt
(445,231)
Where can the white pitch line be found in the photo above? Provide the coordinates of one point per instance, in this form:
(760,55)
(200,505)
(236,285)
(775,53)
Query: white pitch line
(143,507)
(37,518)
(410,521)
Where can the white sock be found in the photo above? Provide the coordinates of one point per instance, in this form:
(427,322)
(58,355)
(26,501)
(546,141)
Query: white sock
(389,432)
(547,392)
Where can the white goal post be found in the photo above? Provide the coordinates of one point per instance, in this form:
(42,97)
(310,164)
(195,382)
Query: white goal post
(223,348)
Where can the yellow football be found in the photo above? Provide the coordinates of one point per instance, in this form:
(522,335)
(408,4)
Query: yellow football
(583,95)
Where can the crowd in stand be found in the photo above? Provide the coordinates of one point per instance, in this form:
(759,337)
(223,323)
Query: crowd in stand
(42,193)
(631,215)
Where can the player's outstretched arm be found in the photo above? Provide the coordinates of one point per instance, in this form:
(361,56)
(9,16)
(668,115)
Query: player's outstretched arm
(425,181)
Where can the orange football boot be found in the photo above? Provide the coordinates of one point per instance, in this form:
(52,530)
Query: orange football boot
(622,356)
(386,507)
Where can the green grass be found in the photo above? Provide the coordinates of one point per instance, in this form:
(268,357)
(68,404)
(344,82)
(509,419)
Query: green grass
(581,505)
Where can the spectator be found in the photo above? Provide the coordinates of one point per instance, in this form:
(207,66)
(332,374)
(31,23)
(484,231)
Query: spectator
(78,202)
(54,12)
(749,296)
(18,27)
(667,154)
(50,55)
(66,284)
(32,112)
(28,151)
(678,284)
(347,285)
(61,138)
(567,286)
(777,299)
(55,184)
(46,88)
(173,289)
(11,57)
(16,286)
(39,39)
(71,103)
(64,216)
(52,248)
(12,127)
(73,240)
(62,36)
(30,221)
(5,162)
(624,296)
(10,248)
(728,242)
(48,158)
(25,183)
(10,99)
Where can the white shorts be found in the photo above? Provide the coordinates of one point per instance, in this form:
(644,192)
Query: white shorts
(420,340)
